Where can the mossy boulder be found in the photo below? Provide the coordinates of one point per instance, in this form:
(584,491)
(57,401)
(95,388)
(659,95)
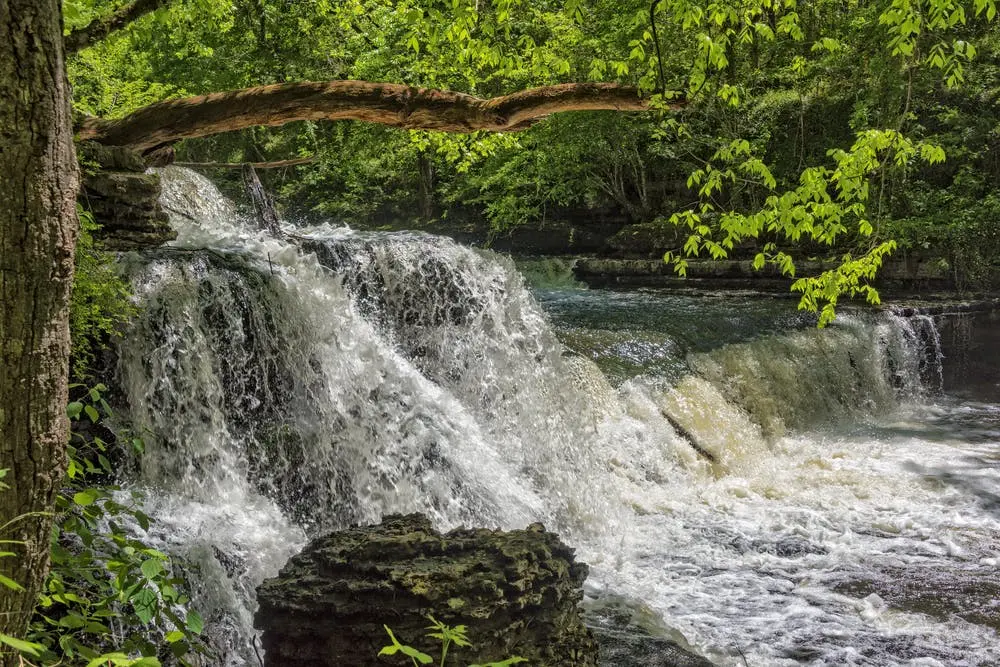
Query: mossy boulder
(518,592)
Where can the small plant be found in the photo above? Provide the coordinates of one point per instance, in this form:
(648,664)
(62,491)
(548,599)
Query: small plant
(109,595)
(36,651)
(447,635)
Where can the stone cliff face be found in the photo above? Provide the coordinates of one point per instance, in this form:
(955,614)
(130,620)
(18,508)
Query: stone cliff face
(519,593)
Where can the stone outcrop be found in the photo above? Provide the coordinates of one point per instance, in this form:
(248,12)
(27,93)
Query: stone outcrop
(123,198)
(646,240)
(518,592)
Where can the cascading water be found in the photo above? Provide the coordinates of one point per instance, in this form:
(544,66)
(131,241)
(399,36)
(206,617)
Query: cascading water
(288,389)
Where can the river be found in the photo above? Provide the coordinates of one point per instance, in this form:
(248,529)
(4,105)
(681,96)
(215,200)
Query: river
(767,491)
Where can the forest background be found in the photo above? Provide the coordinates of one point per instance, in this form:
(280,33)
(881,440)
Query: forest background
(829,126)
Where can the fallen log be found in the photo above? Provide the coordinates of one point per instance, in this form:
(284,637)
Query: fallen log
(390,104)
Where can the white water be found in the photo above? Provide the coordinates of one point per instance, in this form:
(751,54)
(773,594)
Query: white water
(286,392)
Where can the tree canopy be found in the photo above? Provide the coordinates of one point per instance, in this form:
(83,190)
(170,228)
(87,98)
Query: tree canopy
(815,124)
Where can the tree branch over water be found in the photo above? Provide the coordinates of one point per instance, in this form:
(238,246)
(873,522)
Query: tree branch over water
(390,104)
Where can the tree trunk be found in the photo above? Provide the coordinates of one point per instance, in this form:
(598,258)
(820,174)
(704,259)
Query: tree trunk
(386,103)
(263,205)
(425,169)
(38,228)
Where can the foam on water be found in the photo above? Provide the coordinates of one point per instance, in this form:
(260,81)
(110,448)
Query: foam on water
(786,560)
(287,389)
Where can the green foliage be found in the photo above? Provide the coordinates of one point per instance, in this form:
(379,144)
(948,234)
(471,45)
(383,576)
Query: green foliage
(819,208)
(108,595)
(811,128)
(101,300)
(413,654)
(447,635)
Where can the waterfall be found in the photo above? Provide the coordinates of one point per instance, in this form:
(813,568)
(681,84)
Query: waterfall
(861,366)
(290,388)
(283,392)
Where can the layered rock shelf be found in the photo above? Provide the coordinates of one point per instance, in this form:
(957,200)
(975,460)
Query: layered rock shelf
(123,198)
(518,592)
(740,274)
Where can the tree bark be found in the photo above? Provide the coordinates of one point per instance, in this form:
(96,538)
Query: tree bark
(386,103)
(100,28)
(38,229)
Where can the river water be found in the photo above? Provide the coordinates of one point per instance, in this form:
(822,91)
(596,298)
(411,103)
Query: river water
(766,491)
(864,532)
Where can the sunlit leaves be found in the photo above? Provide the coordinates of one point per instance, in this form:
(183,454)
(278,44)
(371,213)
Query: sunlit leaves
(853,276)
(827,202)
(909,22)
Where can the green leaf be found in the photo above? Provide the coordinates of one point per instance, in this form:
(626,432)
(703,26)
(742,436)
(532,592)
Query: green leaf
(22,646)
(85,497)
(74,409)
(174,636)
(10,583)
(144,603)
(92,413)
(151,568)
(72,621)
(142,519)
(194,622)
(411,652)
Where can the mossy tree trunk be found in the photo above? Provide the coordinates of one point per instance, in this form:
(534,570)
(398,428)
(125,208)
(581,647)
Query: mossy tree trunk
(38,228)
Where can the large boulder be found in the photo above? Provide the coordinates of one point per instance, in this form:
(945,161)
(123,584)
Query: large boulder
(518,592)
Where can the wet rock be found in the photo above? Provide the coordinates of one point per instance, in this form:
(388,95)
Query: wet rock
(895,276)
(787,547)
(518,592)
(110,158)
(123,198)
(631,634)
(939,592)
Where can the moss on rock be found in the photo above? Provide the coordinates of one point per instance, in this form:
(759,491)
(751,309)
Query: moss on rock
(519,593)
